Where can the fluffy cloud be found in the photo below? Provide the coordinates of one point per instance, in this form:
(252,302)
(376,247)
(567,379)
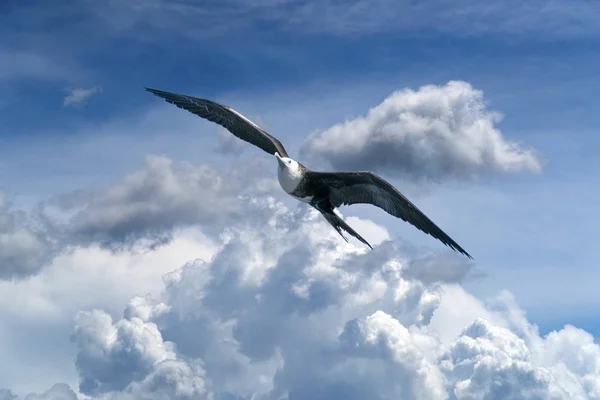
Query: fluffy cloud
(270,301)
(150,203)
(60,391)
(112,356)
(488,362)
(78,96)
(291,311)
(436,132)
(130,360)
(24,245)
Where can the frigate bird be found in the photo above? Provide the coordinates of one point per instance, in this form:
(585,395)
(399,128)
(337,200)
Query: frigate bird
(324,191)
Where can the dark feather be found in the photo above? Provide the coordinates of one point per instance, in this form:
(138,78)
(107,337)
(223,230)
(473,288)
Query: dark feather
(227,117)
(366,187)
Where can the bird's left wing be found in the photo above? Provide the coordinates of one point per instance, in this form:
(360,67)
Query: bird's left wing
(366,187)
(227,117)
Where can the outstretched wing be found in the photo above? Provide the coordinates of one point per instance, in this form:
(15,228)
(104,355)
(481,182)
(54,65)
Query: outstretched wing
(227,117)
(366,187)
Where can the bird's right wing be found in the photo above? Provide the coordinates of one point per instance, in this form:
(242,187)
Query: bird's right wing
(227,117)
(366,187)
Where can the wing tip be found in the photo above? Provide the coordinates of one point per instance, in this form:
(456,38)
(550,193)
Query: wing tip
(156,92)
(462,251)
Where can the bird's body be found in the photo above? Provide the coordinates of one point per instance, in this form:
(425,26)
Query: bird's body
(325,191)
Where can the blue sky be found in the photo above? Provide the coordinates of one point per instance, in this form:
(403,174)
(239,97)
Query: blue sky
(301,67)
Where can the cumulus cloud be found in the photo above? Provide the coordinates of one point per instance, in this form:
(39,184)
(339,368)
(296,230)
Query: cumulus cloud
(24,245)
(150,203)
(59,391)
(78,96)
(488,362)
(114,355)
(130,360)
(436,133)
(245,314)
(289,311)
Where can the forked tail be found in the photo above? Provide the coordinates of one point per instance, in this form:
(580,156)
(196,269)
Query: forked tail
(339,224)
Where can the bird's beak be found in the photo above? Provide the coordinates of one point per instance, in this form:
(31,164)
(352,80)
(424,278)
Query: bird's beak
(280,160)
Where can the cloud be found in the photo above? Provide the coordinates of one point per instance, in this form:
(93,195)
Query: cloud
(112,356)
(148,204)
(427,269)
(16,65)
(24,246)
(59,391)
(240,313)
(269,303)
(291,311)
(6,394)
(229,144)
(130,360)
(436,132)
(38,313)
(78,96)
(169,380)
(488,362)
(354,17)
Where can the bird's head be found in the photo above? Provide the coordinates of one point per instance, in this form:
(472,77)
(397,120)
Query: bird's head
(287,164)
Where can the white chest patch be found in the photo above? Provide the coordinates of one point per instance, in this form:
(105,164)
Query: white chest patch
(289,178)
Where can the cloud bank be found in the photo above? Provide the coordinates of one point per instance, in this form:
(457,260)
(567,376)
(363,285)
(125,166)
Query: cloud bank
(435,133)
(291,312)
(150,203)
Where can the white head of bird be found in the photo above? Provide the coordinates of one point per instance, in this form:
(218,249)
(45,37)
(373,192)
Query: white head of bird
(289,172)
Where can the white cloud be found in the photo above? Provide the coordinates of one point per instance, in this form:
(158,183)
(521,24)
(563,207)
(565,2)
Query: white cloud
(271,304)
(290,311)
(436,132)
(112,356)
(169,380)
(148,204)
(60,391)
(406,353)
(78,96)
(37,313)
(24,245)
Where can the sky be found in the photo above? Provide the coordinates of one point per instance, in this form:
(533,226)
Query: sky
(147,253)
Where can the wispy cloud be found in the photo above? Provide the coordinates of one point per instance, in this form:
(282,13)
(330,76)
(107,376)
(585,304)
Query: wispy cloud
(28,64)
(357,17)
(78,96)
(532,20)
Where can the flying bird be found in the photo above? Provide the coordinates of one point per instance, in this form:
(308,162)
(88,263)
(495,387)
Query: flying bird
(324,191)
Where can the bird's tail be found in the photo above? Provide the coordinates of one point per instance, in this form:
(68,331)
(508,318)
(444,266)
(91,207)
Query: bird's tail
(339,224)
